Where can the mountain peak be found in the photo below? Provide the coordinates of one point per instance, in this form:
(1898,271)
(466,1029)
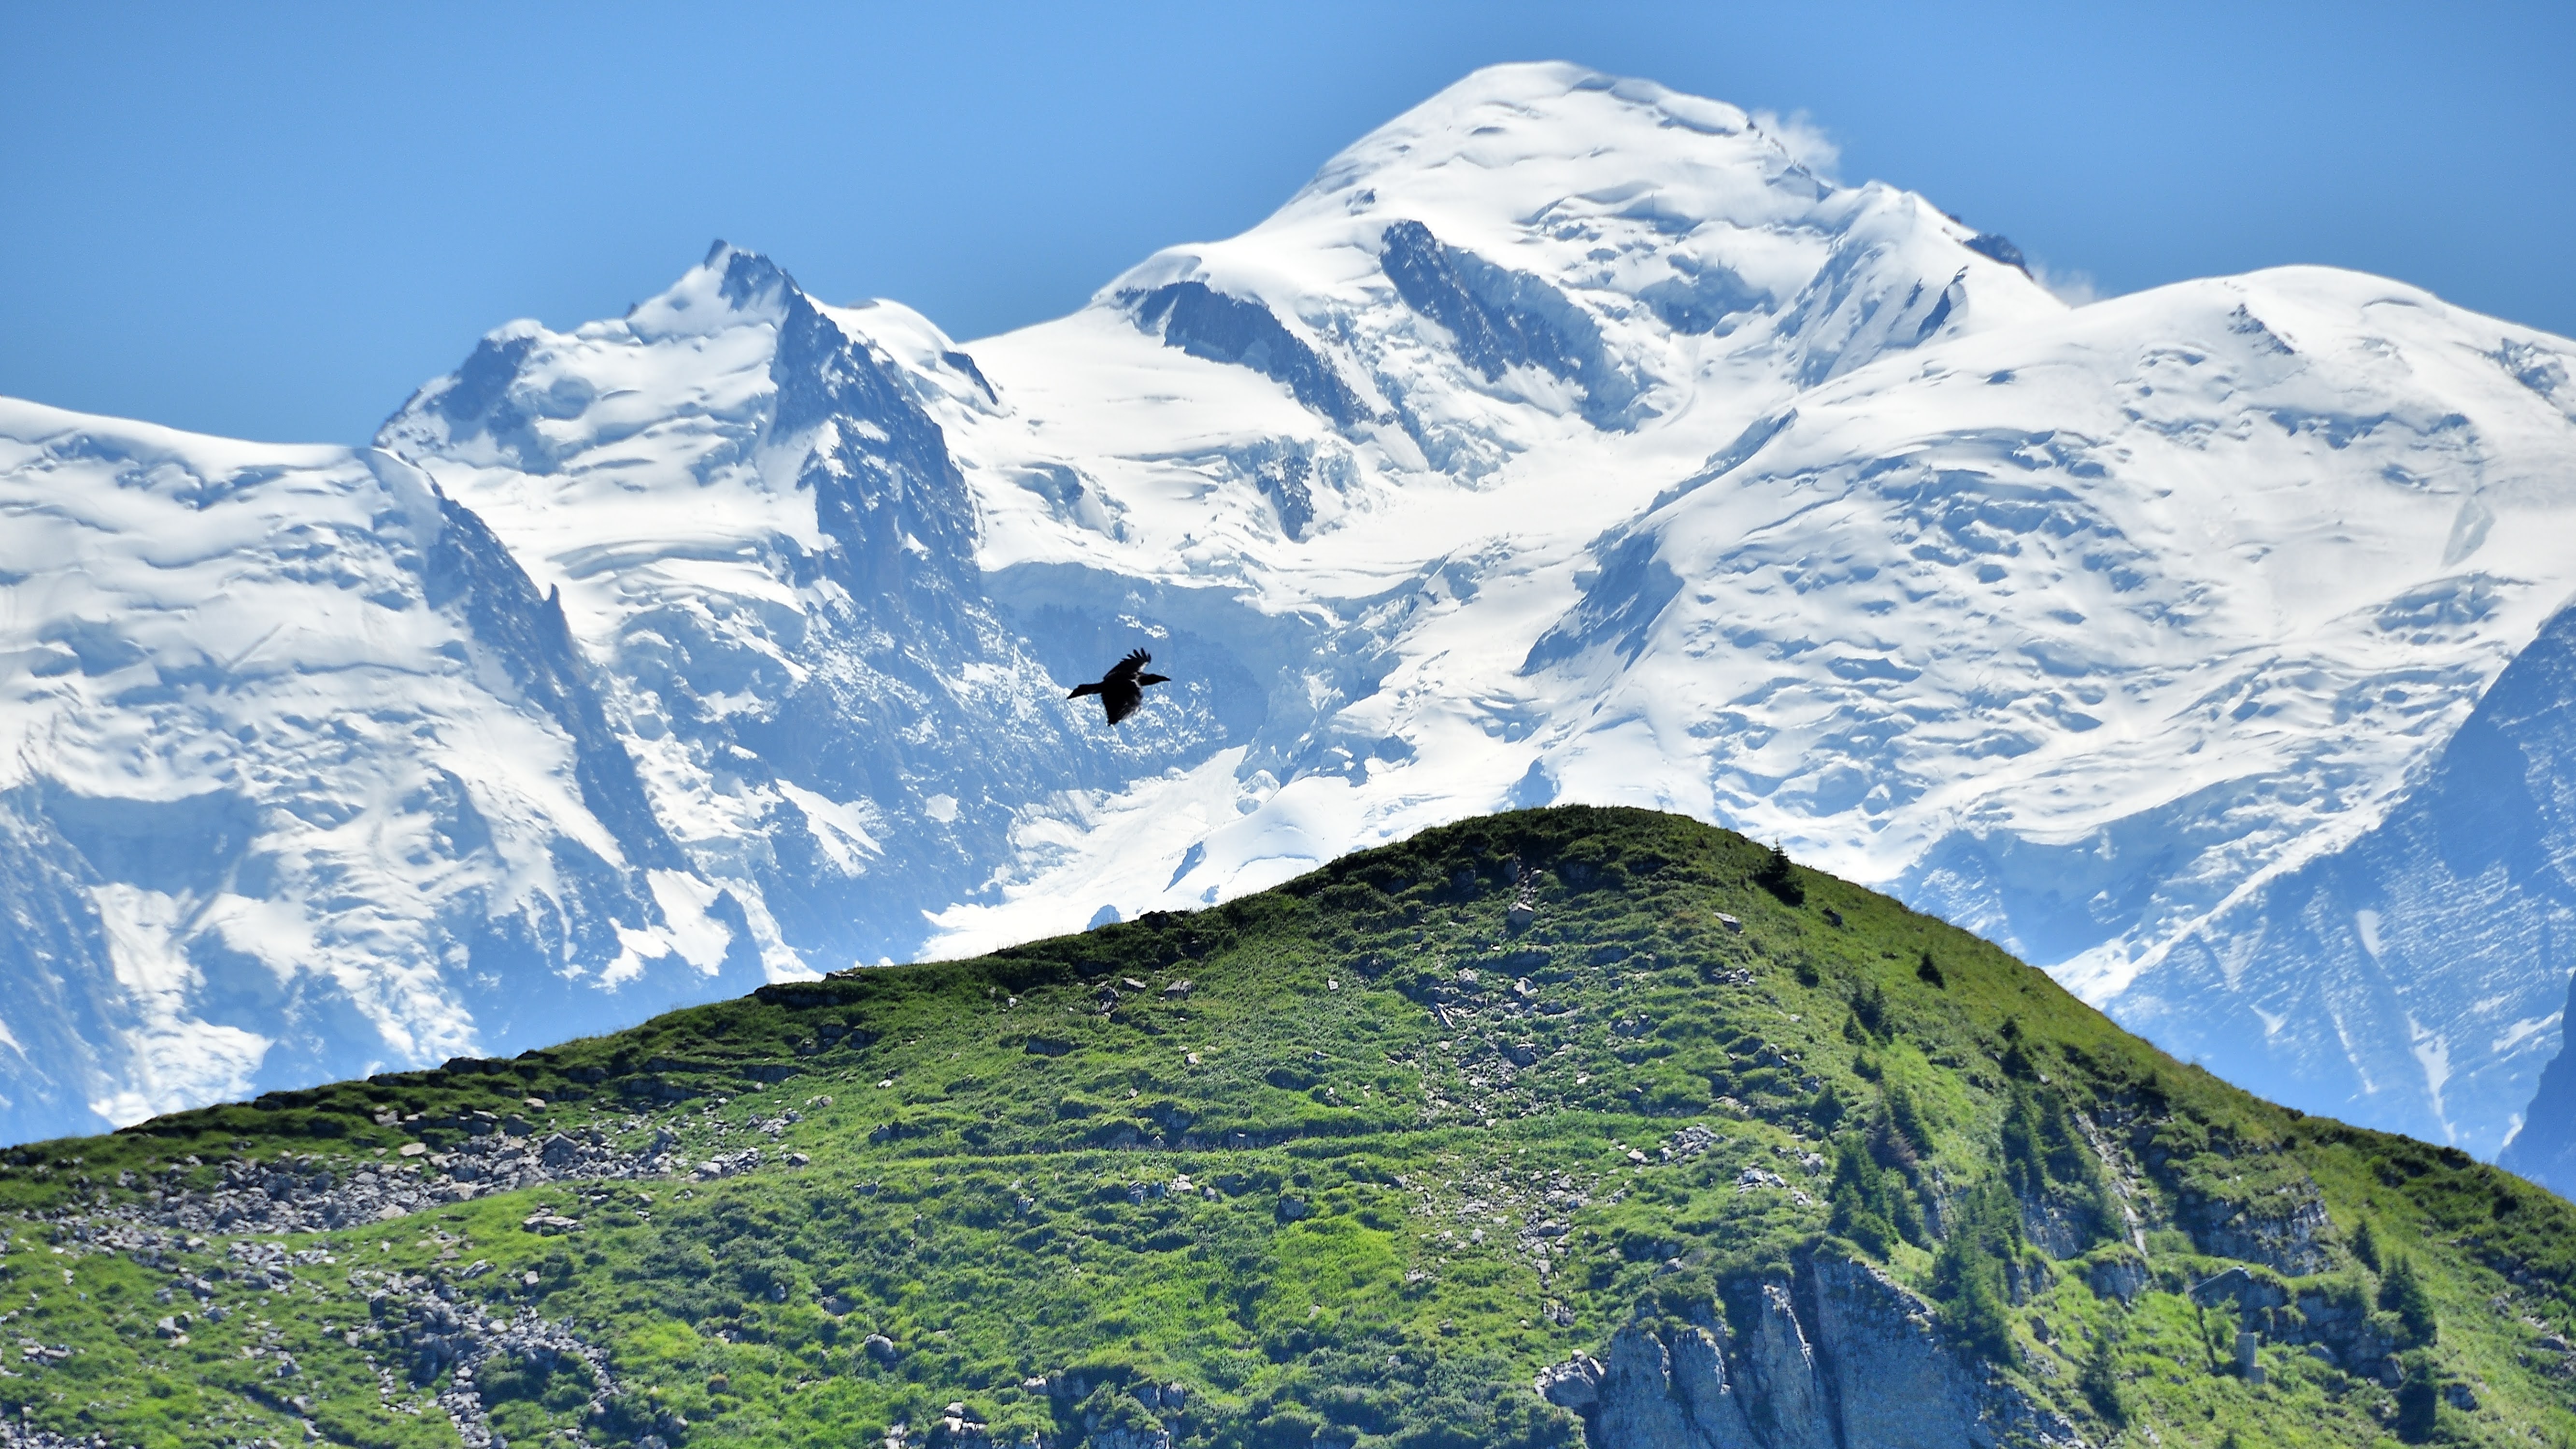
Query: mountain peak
(1516,113)
(730,287)
(1646,233)
(1565,440)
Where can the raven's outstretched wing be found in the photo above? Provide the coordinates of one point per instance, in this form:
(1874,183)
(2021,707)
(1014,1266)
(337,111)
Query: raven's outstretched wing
(1126,668)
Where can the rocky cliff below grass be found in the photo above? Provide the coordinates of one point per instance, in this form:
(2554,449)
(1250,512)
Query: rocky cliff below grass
(1564,1128)
(1838,1354)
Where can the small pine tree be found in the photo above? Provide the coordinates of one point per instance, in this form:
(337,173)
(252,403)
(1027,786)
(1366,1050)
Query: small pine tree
(2402,1292)
(2419,1400)
(1869,1008)
(1858,1198)
(2015,1061)
(1929,971)
(1779,876)
(2099,1382)
(2025,1159)
(1827,1109)
(2365,1245)
(1968,1277)
(1906,1115)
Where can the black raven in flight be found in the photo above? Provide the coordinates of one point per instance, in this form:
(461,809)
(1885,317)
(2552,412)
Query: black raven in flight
(1123,687)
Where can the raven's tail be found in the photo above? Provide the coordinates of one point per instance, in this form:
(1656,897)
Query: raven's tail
(1080,690)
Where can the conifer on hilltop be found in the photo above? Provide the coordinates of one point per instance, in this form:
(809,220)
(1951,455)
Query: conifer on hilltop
(1779,876)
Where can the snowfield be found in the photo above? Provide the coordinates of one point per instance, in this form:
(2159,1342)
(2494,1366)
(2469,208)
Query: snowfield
(1564,439)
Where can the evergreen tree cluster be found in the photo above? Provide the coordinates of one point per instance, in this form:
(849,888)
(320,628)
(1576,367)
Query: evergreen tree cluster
(1869,1021)
(1877,1176)
(2099,1382)
(2402,1292)
(2047,1161)
(1780,877)
(1969,1278)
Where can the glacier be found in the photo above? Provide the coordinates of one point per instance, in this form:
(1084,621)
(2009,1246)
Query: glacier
(1563,439)
(305,780)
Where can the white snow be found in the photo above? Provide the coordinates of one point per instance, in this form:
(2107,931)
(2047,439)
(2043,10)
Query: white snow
(841,829)
(2075,624)
(178,1060)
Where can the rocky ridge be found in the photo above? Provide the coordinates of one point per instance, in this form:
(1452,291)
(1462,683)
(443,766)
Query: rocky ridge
(1861,1367)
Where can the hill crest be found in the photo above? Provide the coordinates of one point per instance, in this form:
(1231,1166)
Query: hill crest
(1573,1125)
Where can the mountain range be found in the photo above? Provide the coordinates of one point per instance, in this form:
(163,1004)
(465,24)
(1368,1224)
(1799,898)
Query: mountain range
(1563,439)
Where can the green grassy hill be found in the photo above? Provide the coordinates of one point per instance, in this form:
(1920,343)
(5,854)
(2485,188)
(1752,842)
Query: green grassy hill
(1564,1126)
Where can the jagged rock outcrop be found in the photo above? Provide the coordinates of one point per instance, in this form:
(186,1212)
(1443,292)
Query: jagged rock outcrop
(1669,1393)
(2334,1321)
(1574,1384)
(2122,1277)
(1715,1406)
(1843,1358)
(2280,1230)
(1782,1366)
(1894,1382)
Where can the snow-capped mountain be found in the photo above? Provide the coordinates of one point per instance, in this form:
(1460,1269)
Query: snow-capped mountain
(1563,439)
(2415,978)
(302,779)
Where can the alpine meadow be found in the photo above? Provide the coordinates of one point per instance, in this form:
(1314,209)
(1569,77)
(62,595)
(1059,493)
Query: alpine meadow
(1568,1127)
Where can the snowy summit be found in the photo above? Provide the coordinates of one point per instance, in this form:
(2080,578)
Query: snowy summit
(1565,438)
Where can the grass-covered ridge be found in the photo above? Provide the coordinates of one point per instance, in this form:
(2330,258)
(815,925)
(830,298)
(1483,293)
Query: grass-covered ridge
(1345,1163)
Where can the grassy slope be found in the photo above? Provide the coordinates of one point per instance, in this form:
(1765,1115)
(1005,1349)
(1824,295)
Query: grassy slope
(994,1154)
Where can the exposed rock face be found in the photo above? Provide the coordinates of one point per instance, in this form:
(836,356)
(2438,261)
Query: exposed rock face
(1656,1395)
(1843,1359)
(2279,1231)
(1782,1368)
(2335,1322)
(1895,1383)
(2057,1227)
(2123,1278)
(1714,1406)
(1574,1384)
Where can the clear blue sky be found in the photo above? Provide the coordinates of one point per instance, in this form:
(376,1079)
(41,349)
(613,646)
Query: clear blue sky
(275,221)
